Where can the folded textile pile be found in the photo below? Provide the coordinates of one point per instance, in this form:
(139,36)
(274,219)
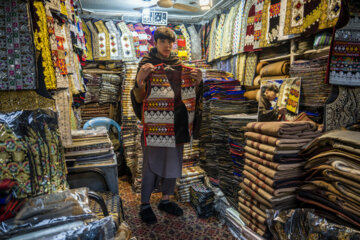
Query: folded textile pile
(93,83)
(198,64)
(128,118)
(191,154)
(222,96)
(314,90)
(333,176)
(136,166)
(109,90)
(202,199)
(89,147)
(273,169)
(93,110)
(190,175)
(234,222)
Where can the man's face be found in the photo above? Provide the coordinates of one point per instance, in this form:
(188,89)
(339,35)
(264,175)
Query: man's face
(270,95)
(164,47)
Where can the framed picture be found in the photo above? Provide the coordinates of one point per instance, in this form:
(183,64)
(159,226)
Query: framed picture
(279,99)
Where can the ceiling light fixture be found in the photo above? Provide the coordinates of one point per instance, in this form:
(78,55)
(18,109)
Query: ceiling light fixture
(205,4)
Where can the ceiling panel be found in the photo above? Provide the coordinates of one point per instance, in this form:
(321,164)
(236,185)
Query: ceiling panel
(129,5)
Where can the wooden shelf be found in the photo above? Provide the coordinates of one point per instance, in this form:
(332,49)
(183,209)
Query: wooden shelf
(314,51)
(279,58)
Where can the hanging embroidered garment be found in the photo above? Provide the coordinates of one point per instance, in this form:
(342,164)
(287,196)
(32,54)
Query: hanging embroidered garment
(259,8)
(228,33)
(127,43)
(237,27)
(104,41)
(57,50)
(143,39)
(212,38)
(241,68)
(251,62)
(170,92)
(115,42)
(247,27)
(308,17)
(136,39)
(88,52)
(17,53)
(94,40)
(204,40)
(68,47)
(181,44)
(274,20)
(345,54)
(80,36)
(187,40)
(150,30)
(195,43)
(219,34)
(264,42)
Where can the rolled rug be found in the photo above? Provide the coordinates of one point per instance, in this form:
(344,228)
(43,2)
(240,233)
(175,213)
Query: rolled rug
(276,69)
(251,95)
(257,80)
(259,66)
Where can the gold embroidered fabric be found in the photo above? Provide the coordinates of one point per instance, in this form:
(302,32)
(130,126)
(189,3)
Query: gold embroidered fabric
(88,44)
(12,101)
(104,41)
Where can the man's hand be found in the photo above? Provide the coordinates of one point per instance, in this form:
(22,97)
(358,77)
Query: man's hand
(144,71)
(196,74)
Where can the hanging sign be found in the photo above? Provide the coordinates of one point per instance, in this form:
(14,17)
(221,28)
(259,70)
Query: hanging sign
(152,17)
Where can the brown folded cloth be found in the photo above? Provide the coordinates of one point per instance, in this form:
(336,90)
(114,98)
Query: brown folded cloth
(283,129)
(255,195)
(350,192)
(252,206)
(259,66)
(258,189)
(251,95)
(246,197)
(268,148)
(259,175)
(349,141)
(258,153)
(281,77)
(273,165)
(245,218)
(350,175)
(336,154)
(276,175)
(257,81)
(278,142)
(253,214)
(335,176)
(275,69)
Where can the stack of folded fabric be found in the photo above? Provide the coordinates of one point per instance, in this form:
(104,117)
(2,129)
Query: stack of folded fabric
(333,177)
(190,175)
(89,147)
(109,90)
(93,83)
(191,154)
(273,169)
(136,169)
(230,153)
(223,95)
(128,117)
(314,90)
(93,110)
(202,199)
(198,64)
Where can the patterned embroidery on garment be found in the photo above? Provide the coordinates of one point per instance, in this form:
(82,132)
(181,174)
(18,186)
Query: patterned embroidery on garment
(127,43)
(228,33)
(219,34)
(185,33)
(264,42)
(95,40)
(159,107)
(274,21)
(237,27)
(211,48)
(251,62)
(241,68)
(115,41)
(104,41)
(249,39)
(143,39)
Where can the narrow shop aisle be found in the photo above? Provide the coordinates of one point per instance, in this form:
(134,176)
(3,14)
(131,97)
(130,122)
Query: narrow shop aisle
(186,227)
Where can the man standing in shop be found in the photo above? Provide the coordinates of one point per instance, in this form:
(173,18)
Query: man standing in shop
(266,112)
(162,165)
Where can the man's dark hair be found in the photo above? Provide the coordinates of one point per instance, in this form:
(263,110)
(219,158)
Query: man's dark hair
(272,87)
(164,33)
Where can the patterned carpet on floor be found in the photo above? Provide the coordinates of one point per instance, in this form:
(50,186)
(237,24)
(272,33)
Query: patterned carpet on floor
(168,227)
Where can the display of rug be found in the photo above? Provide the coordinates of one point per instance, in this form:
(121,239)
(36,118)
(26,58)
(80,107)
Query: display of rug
(228,33)
(273,169)
(237,26)
(219,36)
(250,11)
(345,64)
(250,68)
(332,177)
(212,40)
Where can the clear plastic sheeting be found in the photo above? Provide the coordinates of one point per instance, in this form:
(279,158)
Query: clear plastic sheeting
(304,224)
(49,211)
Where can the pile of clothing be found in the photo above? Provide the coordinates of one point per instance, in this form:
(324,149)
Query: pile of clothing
(89,147)
(333,177)
(273,169)
(314,90)
(110,86)
(93,83)
(191,154)
(198,64)
(202,199)
(130,133)
(9,205)
(190,175)
(222,95)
